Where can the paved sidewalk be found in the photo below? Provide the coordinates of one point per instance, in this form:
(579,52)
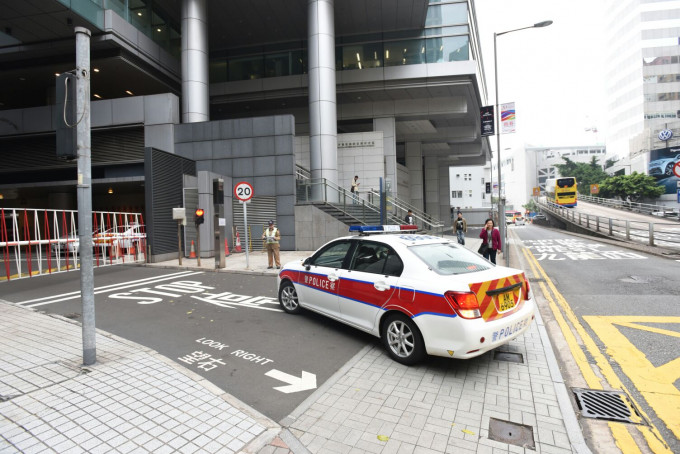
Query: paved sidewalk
(135,400)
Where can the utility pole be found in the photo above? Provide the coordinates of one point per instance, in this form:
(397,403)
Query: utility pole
(84,190)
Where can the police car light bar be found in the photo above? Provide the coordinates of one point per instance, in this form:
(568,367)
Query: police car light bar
(381,228)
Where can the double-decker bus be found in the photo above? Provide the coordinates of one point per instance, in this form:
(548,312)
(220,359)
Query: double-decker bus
(561,191)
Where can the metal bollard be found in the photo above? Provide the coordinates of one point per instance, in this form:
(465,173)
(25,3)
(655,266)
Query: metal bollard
(628,230)
(651,234)
(597,223)
(611,226)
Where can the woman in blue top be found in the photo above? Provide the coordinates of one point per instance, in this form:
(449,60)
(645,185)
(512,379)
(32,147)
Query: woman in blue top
(492,236)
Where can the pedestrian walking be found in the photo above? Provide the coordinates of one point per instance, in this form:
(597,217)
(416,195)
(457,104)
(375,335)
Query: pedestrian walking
(354,189)
(491,241)
(460,228)
(272,236)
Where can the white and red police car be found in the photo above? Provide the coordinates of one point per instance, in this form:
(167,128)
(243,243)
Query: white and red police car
(420,294)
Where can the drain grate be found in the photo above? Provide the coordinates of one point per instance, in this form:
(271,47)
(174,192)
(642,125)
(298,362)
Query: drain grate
(609,405)
(508,356)
(511,433)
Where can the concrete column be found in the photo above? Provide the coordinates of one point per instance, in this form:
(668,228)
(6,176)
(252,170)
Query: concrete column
(444,212)
(387,126)
(323,127)
(432,185)
(414,164)
(195,83)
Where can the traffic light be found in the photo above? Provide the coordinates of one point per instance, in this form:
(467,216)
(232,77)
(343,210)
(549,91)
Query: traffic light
(199,216)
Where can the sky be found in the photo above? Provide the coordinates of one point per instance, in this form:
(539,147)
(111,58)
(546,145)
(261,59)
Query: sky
(554,75)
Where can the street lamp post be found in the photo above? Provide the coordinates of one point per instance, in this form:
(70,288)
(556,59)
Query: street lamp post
(501,199)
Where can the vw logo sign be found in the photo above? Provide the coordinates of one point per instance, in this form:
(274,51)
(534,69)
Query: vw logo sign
(665,134)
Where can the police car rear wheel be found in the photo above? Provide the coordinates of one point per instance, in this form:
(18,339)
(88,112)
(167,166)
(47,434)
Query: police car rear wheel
(403,340)
(288,298)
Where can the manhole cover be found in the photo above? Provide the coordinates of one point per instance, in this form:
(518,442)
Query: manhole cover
(508,356)
(609,405)
(511,433)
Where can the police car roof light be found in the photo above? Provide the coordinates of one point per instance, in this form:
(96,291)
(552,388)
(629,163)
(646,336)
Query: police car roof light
(381,228)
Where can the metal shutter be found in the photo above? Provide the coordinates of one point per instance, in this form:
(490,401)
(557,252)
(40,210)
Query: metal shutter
(260,210)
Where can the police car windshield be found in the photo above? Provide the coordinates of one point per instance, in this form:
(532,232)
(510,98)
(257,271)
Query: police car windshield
(446,258)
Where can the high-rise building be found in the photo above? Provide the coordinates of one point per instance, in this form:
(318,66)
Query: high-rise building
(269,92)
(643,84)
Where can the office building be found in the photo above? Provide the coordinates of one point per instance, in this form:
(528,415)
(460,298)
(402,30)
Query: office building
(643,86)
(281,94)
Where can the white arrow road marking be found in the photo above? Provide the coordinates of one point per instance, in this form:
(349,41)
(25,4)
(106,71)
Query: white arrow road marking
(295,384)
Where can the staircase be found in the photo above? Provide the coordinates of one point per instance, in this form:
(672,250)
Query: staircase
(340,204)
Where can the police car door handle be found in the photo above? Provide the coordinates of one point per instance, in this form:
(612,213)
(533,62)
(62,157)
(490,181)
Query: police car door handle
(382,286)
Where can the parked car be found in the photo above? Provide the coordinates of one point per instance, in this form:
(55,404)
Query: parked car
(420,294)
(64,243)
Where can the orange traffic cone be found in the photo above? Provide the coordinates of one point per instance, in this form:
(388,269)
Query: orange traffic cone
(226,248)
(192,254)
(237,247)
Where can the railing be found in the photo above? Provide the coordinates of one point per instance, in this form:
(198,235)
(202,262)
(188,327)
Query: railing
(359,208)
(645,208)
(39,241)
(665,234)
(400,208)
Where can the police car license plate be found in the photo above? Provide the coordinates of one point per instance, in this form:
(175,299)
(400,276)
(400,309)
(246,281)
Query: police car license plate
(506,301)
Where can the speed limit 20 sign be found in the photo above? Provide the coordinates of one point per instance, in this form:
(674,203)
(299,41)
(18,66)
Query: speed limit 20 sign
(243,191)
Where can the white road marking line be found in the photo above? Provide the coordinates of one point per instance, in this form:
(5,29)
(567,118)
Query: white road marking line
(121,286)
(181,273)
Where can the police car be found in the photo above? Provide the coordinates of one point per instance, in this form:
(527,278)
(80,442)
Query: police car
(420,294)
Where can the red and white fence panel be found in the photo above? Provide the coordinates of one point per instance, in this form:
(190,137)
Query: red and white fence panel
(39,241)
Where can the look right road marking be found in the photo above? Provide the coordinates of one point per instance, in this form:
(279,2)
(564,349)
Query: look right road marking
(623,439)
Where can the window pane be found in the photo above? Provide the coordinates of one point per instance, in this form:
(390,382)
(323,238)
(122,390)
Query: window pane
(246,68)
(410,52)
(361,56)
(332,256)
(451,14)
(453,48)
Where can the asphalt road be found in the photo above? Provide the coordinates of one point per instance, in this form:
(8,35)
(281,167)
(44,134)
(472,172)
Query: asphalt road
(627,302)
(226,327)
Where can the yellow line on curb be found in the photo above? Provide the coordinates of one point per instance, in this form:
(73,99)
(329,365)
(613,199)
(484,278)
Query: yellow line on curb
(651,433)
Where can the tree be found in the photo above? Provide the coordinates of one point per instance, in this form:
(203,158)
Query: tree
(531,206)
(585,173)
(631,187)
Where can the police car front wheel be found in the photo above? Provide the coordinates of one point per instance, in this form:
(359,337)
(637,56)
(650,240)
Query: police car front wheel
(288,298)
(403,340)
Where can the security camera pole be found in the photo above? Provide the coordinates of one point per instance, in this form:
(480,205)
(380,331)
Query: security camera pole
(84,191)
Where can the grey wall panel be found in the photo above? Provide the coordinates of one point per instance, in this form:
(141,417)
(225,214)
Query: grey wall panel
(164,175)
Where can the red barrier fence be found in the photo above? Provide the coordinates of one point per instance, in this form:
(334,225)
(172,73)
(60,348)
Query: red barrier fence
(38,241)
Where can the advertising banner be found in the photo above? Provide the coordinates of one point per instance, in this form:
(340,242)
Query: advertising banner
(487,123)
(661,162)
(508,118)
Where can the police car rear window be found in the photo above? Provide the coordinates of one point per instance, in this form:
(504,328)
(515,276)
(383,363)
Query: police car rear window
(446,258)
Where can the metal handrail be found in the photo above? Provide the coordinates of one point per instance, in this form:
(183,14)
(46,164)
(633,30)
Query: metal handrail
(665,234)
(645,208)
(403,207)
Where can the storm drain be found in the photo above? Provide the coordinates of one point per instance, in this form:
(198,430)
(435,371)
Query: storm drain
(511,433)
(508,356)
(609,405)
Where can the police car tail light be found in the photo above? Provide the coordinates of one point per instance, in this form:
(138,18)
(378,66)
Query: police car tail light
(527,290)
(465,304)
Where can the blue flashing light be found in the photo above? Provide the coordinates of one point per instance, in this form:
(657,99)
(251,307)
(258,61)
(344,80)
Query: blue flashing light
(381,228)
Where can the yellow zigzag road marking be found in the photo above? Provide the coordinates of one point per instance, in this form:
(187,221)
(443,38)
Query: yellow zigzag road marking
(651,433)
(656,384)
